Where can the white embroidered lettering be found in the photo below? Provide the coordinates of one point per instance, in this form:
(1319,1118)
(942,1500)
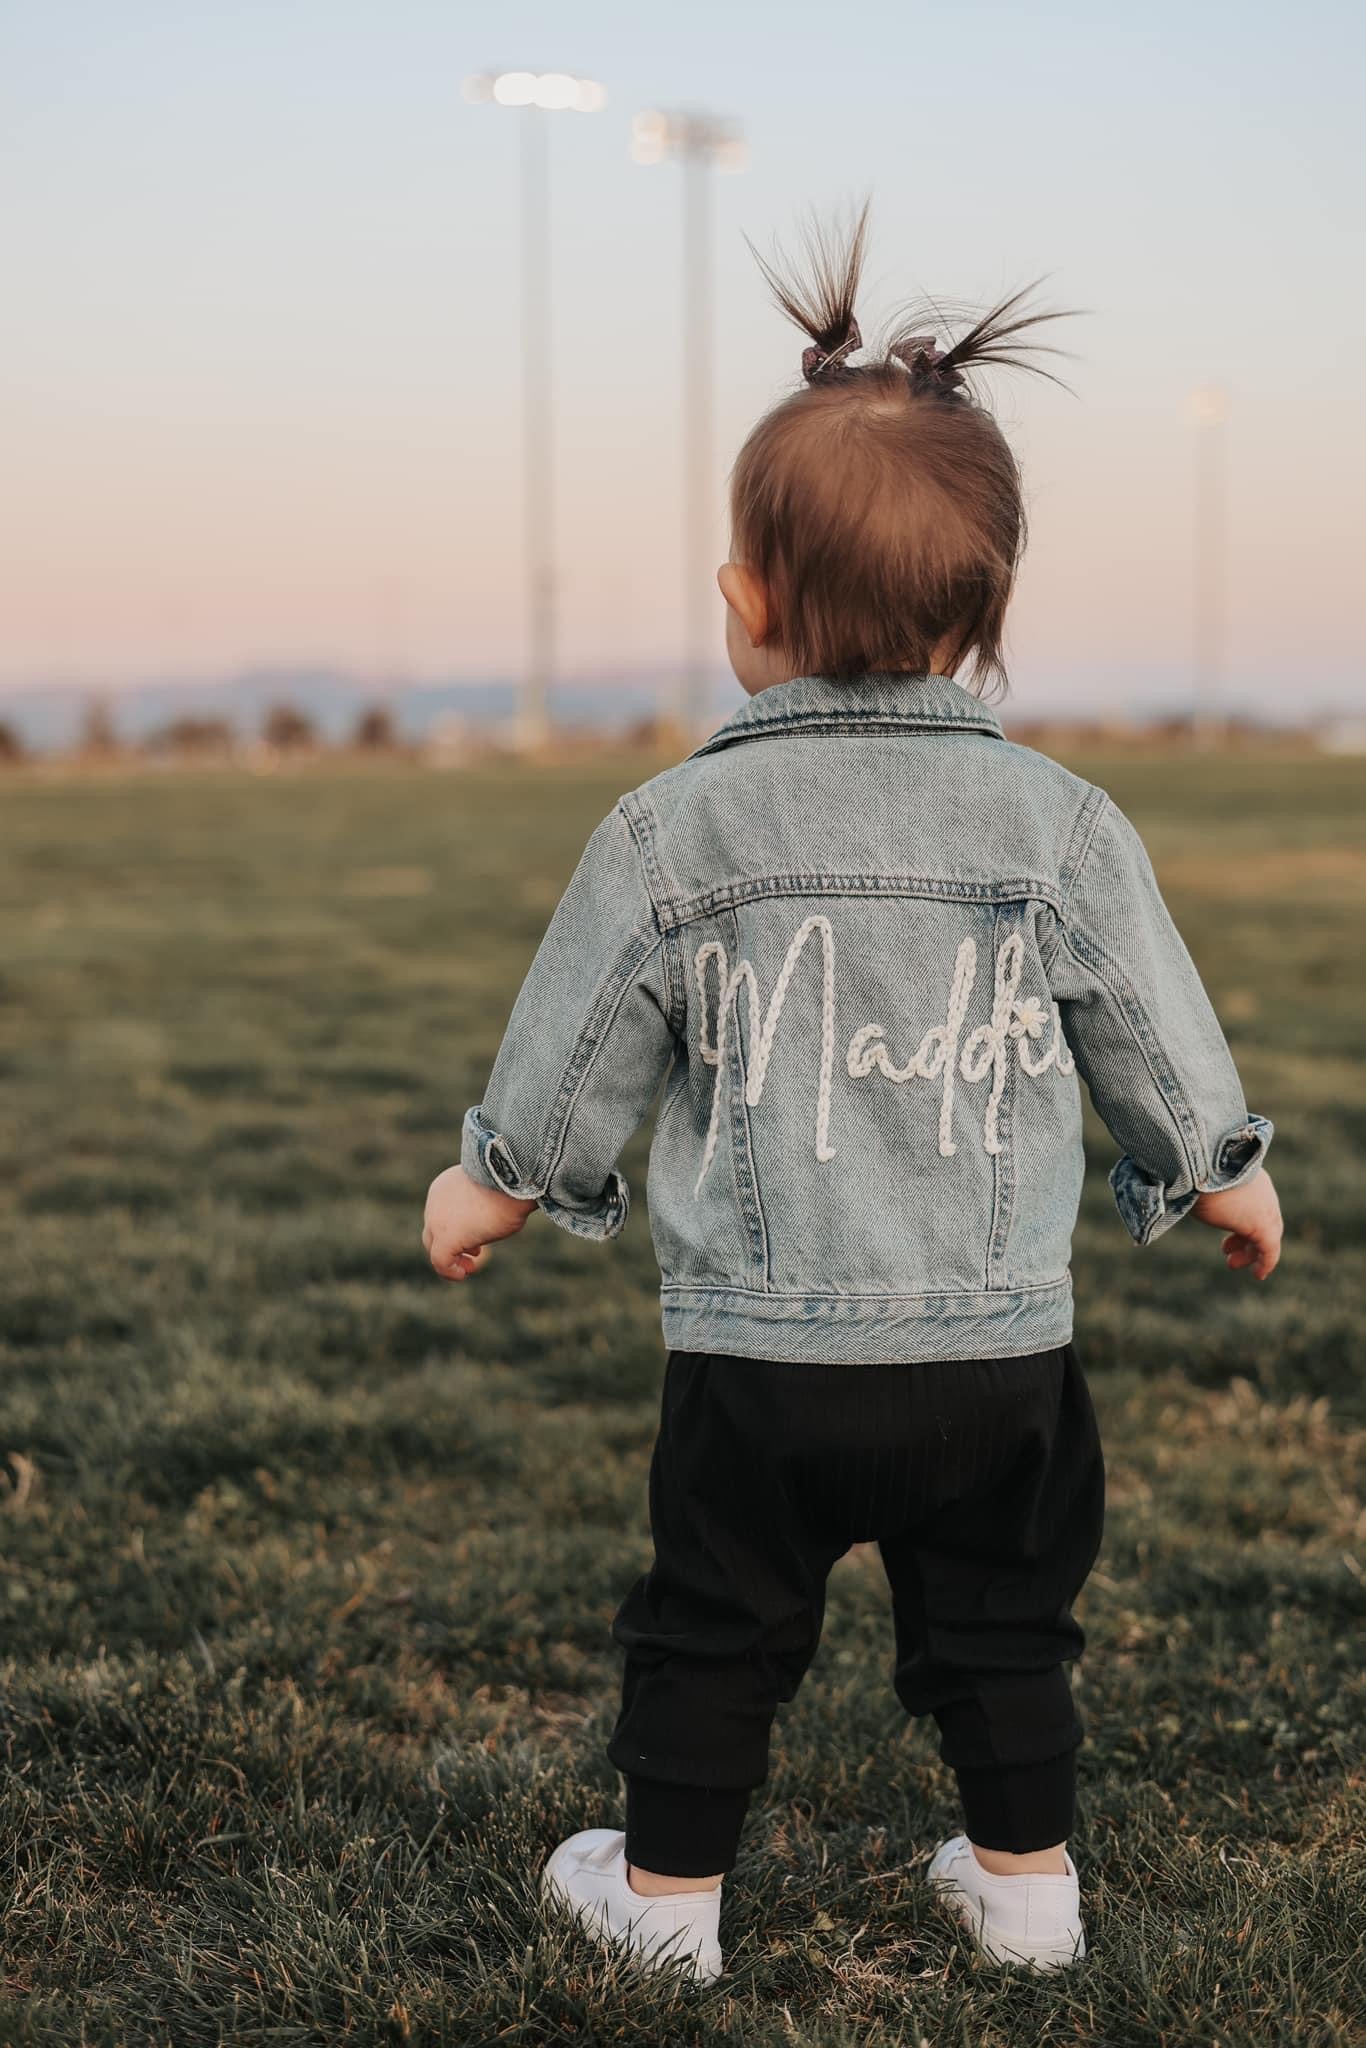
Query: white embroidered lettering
(937,1052)
(986,1048)
(1014,1020)
(761,1034)
(1029,1022)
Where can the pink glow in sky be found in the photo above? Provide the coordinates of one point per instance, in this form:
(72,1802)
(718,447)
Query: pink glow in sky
(261,392)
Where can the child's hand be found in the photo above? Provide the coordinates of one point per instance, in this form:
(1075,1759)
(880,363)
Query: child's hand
(1251,1215)
(463,1218)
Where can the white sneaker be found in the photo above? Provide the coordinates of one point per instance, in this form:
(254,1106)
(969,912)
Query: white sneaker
(1028,1919)
(587,1874)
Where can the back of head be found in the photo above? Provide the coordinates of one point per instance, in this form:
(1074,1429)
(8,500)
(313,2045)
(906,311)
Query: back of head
(881,504)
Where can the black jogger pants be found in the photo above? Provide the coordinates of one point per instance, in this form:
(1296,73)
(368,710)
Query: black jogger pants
(981,1482)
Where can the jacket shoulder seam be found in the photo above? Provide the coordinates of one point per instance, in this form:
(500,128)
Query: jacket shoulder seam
(640,823)
(1094,806)
(592,1036)
(1095,960)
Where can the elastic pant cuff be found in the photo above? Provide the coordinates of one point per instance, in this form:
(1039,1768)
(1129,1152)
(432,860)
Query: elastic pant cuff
(683,1830)
(1022,1806)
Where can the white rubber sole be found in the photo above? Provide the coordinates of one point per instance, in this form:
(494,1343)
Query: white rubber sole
(1058,1951)
(1046,1956)
(704,1964)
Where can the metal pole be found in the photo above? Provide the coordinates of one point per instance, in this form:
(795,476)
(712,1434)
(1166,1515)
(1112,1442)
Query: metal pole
(538,479)
(698,609)
(1210,561)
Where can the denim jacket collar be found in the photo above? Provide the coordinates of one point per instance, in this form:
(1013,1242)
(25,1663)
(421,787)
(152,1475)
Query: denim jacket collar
(872,703)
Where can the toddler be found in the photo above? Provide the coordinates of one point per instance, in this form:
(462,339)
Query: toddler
(867,946)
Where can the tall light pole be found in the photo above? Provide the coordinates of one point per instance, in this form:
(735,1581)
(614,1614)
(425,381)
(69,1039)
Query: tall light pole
(1209,412)
(702,142)
(536,93)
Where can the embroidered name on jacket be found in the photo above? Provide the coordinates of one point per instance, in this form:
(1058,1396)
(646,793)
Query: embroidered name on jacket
(942,1055)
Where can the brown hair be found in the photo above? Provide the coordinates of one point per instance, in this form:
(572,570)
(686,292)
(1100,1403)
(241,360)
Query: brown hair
(881,504)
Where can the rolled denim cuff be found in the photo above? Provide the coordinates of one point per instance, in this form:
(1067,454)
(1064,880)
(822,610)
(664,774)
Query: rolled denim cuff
(1149,1207)
(488,1158)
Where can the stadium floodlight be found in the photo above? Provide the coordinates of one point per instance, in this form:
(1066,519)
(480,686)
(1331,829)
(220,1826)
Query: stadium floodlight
(702,143)
(710,138)
(533,93)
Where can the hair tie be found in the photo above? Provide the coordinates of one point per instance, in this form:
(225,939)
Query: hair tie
(923,362)
(816,360)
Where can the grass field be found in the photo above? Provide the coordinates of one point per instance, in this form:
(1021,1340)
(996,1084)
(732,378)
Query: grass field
(309,1562)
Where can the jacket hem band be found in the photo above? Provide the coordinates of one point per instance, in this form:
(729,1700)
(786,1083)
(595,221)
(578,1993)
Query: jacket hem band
(868,1330)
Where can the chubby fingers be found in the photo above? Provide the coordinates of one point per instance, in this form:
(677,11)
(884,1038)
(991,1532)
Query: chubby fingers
(450,1262)
(1260,1253)
(454,1265)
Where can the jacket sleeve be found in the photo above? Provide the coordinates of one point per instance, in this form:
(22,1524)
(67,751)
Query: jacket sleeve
(1145,1037)
(586,1046)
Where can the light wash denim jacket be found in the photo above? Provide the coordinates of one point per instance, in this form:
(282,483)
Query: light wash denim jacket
(868,945)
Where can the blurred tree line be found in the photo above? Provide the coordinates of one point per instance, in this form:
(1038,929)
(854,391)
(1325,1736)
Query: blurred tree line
(284,730)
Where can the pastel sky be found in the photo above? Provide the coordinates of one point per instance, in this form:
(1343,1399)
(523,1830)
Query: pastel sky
(260,399)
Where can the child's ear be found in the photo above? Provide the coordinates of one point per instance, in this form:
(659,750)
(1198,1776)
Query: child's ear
(748,599)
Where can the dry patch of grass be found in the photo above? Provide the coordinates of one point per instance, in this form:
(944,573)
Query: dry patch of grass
(309,1564)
